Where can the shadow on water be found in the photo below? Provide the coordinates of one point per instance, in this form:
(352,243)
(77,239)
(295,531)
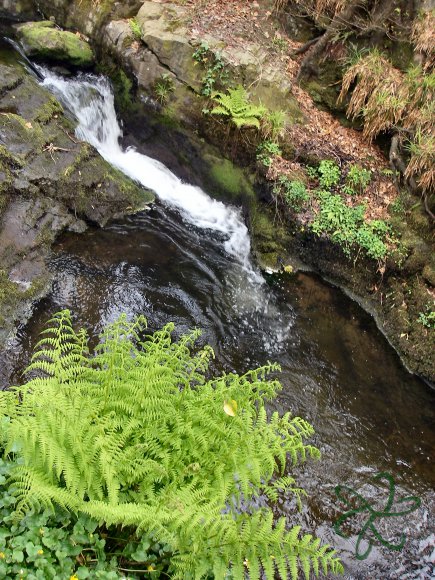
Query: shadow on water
(338,371)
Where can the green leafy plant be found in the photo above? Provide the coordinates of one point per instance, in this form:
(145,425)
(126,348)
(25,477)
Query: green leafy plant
(311,172)
(329,173)
(48,544)
(279,44)
(216,71)
(273,124)
(427,318)
(357,180)
(347,227)
(137,435)
(235,105)
(163,87)
(135,28)
(265,152)
(294,192)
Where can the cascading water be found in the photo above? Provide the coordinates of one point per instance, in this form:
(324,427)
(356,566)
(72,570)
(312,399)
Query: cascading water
(90,99)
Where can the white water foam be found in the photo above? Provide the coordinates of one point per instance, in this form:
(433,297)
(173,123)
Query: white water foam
(91,100)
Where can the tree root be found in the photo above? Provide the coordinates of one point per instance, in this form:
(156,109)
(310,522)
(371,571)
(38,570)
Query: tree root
(302,49)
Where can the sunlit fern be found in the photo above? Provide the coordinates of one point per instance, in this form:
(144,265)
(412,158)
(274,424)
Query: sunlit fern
(137,435)
(236,106)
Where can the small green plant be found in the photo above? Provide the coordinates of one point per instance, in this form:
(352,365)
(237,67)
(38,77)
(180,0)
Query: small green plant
(163,87)
(235,105)
(279,44)
(265,152)
(427,319)
(329,173)
(311,172)
(347,227)
(48,544)
(140,436)
(357,180)
(294,192)
(135,28)
(215,68)
(273,125)
(398,206)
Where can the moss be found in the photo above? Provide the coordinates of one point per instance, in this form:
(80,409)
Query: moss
(270,239)
(11,294)
(6,158)
(226,181)
(48,110)
(324,89)
(24,130)
(83,155)
(44,41)
(137,197)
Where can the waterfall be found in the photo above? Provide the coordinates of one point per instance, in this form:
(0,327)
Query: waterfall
(90,99)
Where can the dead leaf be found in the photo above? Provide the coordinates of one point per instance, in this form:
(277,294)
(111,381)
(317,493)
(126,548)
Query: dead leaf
(230,407)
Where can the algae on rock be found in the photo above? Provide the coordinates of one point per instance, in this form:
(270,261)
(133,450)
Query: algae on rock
(44,40)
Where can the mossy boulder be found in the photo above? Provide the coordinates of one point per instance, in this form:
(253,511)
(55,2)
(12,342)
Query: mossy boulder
(44,40)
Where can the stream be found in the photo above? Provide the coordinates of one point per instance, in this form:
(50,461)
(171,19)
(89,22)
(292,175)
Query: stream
(188,260)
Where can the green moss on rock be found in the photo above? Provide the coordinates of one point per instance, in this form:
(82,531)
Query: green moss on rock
(43,40)
(48,110)
(229,178)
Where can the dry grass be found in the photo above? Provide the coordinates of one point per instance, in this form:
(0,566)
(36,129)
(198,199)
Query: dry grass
(423,36)
(422,161)
(389,99)
(378,94)
(315,8)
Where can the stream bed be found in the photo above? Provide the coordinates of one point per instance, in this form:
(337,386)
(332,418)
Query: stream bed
(187,260)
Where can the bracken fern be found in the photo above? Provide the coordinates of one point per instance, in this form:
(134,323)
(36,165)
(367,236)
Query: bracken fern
(137,435)
(236,106)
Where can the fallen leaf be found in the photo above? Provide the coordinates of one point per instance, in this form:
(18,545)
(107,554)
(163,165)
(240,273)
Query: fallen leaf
(230,407)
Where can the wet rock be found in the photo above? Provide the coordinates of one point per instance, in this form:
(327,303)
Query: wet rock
(44,40)
(50,182)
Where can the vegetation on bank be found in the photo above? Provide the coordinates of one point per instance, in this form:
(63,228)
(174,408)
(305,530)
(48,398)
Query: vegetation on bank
(323,203)
(388,74)
(134,459)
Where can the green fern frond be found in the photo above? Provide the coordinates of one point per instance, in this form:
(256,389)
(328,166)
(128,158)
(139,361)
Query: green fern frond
(138,435)
(236,106)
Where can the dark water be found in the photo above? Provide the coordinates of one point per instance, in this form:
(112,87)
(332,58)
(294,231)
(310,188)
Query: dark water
(338,371)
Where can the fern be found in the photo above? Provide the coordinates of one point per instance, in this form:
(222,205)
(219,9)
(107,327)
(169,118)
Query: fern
(235,105)
(137,435)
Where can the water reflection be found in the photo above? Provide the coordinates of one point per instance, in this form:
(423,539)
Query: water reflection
(338,371)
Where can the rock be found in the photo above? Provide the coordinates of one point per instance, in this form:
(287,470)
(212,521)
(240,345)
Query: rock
(164,34)
(44,40)
(49,182)
(166,49)
(42,158)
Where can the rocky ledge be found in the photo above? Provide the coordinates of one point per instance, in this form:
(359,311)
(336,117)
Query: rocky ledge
(49,182)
